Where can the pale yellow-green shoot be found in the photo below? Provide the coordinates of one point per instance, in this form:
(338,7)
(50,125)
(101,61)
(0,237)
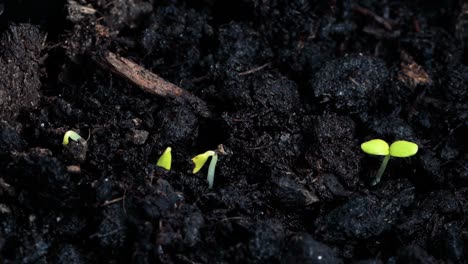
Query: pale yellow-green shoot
(399,149)
(201,159)
(70,134)
(165,160)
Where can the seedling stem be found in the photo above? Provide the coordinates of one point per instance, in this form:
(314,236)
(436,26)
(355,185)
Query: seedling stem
(381,170)
(211,170)
(399,149)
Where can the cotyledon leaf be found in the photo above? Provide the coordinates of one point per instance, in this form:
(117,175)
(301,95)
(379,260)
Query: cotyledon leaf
(376,147)
(403,149)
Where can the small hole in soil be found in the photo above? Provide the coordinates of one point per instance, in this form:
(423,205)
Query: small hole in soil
(211,134)
(465,57)
(50,15)
(226,11)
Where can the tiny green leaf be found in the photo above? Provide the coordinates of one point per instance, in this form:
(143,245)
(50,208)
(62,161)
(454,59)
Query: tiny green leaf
(403,149)
(165,160)
(201,159)
(70,134)
(376,147)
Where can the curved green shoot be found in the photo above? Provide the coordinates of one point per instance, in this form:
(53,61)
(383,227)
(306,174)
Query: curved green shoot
(70,134)
(398,149)
(211,170)
(201,159)
(165,160)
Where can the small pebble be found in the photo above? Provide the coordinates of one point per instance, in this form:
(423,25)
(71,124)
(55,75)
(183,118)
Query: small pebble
(139,137)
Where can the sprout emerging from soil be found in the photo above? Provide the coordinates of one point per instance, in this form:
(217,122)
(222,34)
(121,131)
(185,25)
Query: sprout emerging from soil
(165,160)
(399,149)
(70,134)
(201,159)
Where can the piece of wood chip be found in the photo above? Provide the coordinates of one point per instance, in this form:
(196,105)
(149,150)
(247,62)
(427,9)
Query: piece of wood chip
(74,169)
(151,82)
(411,73)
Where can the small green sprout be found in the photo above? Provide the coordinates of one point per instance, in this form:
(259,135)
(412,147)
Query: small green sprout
(399,149)
(70,134)
(201,159)
(165,160)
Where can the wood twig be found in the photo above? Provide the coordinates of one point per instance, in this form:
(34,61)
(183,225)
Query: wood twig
(387,23)
(151,82)
(116,200)
(256,69)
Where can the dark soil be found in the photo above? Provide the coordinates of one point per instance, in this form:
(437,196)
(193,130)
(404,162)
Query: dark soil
(293,88)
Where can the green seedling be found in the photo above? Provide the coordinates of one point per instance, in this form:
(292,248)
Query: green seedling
(201,159)
(165,160)
(70,134)
(398,149)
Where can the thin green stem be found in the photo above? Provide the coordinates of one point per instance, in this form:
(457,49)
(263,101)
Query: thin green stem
(381,170)
(211,170)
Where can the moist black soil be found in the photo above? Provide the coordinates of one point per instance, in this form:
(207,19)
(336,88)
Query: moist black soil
(292,88)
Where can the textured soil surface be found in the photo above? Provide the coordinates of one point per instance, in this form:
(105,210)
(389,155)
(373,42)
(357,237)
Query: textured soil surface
(289,88)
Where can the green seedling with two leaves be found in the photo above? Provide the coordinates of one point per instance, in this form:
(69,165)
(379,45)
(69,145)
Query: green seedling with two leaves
(398,149)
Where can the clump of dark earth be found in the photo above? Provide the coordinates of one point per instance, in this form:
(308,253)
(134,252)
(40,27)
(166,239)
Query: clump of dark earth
(302,248)
(293,88)
(20,59)
(352,83)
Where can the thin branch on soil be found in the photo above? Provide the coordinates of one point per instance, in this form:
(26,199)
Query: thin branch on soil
(44,42)
(387,23)
(106,234)
(355,82)
(447,136)
(113,201)
(195,80)
(416,25)
(231,219)
(116,200)
(256,69)
(6,188)
(151,82)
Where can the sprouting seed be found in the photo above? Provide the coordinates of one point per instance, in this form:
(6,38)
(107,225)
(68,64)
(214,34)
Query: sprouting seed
(201,159)
(165,160)
(70,134)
